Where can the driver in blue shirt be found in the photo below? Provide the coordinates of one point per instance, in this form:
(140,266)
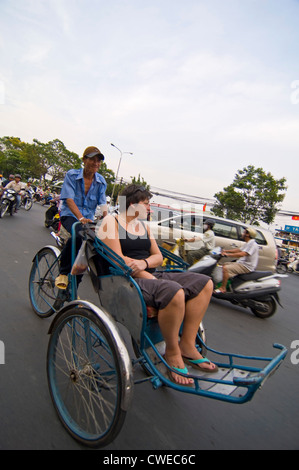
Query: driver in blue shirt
(82,191)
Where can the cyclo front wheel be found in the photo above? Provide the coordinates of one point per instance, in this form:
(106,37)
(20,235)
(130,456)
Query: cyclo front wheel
(84,377)
(42,290)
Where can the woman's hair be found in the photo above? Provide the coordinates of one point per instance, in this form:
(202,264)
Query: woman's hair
(135,193)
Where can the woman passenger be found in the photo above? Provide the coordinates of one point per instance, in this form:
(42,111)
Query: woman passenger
(178,297)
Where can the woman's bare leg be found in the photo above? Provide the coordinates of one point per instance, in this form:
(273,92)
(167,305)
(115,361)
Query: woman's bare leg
(170,319)
(194,312)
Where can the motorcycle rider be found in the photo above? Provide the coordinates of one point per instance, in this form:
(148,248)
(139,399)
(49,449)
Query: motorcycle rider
(208,239)
(17,186)
(8,180)
(247,262)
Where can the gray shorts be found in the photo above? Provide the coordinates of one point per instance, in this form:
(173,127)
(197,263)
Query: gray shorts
(159,292)
(233,269)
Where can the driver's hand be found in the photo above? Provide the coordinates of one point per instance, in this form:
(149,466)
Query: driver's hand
(86,221)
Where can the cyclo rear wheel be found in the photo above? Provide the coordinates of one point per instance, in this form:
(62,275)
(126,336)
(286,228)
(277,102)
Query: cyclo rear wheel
(84,377)
(42,290)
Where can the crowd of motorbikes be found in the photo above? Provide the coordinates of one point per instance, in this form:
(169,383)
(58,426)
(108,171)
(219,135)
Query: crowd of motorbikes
(8,202)
(288,264)
(28,195)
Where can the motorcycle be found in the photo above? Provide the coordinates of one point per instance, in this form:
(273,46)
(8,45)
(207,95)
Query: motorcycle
(293,266)
(282,265)
(52,220)
(257,290)
(8,202)
(27,200)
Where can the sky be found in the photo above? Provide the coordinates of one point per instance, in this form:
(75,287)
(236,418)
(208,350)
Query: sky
(195,89)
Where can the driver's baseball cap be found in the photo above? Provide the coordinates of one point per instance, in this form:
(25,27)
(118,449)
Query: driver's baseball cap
(90,152)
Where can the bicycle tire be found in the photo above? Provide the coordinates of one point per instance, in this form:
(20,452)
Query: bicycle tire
(42,290)
(84,377)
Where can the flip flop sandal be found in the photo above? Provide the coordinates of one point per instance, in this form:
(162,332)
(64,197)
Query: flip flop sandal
(180,371)
(195,363)
(218,291)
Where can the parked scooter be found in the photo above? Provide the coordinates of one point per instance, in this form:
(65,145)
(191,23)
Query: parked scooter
(257,290)
(8,202)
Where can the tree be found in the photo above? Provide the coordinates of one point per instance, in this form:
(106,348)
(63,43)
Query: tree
(11,155)
(253,196)
(36,160)
(54,158)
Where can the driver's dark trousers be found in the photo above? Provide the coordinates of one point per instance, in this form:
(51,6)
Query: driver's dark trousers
(66,254)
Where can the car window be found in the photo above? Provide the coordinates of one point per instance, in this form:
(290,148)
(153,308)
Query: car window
(226,230)
(172,222)
(161,213)
(192,223)
(188,222)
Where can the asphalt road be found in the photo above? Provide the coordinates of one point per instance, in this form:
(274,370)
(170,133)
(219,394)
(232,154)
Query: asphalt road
(160,419)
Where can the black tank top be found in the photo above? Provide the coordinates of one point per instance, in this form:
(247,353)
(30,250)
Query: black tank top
(134,246)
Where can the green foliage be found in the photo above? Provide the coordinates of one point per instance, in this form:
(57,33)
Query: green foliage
(253,196)
(53,159)
(37,159)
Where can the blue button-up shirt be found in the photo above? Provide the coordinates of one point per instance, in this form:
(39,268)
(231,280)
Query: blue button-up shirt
(73,188)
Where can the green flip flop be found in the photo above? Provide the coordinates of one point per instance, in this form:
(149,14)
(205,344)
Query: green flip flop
(195,363)
(180,371)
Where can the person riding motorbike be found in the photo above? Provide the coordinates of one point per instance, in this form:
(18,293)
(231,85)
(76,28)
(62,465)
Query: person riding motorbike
(17,186)
(8,180)
(247,262)
(208,239)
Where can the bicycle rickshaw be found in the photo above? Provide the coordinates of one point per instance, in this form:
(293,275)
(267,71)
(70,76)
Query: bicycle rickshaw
(90,373)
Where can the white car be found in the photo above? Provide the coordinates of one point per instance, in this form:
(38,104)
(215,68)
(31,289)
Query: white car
(228,235)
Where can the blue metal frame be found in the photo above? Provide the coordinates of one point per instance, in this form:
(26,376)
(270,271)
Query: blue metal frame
(255,375)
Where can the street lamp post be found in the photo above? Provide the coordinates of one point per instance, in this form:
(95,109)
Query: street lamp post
(116,176)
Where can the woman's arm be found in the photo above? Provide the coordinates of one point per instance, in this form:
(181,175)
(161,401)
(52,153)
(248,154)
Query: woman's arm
(108,233)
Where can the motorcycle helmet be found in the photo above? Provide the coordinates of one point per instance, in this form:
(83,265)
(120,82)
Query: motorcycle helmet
(210,223)
(18,176)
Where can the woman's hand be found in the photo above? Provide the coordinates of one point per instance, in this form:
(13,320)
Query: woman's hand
(137,265)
